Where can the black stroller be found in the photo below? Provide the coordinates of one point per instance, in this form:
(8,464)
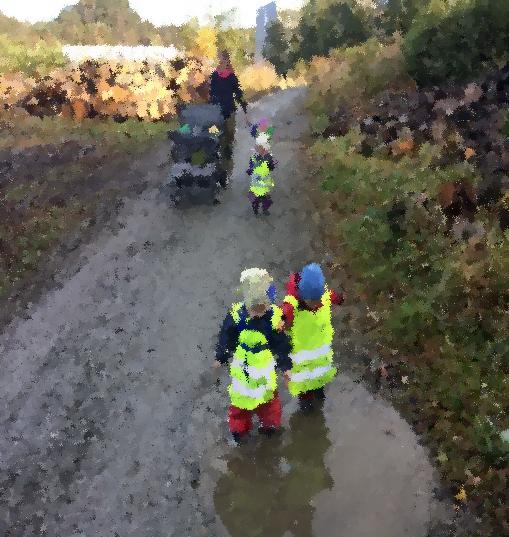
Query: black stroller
(196,154)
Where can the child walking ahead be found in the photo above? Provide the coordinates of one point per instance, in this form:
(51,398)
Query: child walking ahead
(261,165)
(252,333)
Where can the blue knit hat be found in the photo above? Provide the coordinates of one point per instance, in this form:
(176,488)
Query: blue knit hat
(312,282)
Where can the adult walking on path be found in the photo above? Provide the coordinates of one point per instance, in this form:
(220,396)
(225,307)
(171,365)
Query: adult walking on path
(111,422)
(225,91)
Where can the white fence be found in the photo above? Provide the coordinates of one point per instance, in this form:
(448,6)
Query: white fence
(78,53)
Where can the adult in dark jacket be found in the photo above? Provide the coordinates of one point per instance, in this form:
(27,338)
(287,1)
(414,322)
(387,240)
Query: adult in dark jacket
(225,88)
(225,91)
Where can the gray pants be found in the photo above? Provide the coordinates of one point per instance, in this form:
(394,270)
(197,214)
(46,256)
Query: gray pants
(226,146)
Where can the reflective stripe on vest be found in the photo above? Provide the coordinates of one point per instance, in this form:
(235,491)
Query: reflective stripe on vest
(311,374)
(312,356)
(255,373)
(245,391)
(252,370)
(309,356)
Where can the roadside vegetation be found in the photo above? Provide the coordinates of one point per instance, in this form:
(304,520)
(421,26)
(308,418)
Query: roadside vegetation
(410,155)
(56,173)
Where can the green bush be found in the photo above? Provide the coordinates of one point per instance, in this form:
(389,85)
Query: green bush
(38,59)
(398,15)
(351,77)
(321,30)
(277,47)
(454,41)
(439,304)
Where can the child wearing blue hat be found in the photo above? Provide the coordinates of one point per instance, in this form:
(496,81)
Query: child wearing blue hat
(307,315)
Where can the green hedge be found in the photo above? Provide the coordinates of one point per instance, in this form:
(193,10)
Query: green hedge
(454,41)
(39,58)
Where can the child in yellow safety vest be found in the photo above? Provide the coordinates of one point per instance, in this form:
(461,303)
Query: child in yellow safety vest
(261,165)
(252,335)
(307,316)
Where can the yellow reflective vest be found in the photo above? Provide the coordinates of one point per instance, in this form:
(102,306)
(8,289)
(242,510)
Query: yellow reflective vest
(311,337)
(261,179)
(253,369)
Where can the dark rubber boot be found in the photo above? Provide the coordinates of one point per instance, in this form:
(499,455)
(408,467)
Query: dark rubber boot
(320,394)
(306,405)
(239,439)
(267,431)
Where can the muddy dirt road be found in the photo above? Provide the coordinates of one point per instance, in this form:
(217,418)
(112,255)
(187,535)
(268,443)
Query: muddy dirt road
(113,424)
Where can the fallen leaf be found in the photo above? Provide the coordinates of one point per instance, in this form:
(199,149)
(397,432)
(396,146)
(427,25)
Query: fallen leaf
(404,379)
(442,457)
(403,146)
(462,495)
(469,152)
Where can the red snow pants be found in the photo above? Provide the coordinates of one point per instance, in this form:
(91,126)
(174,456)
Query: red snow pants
(269,414)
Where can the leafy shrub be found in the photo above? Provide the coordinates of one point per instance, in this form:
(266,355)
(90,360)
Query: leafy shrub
(321,30)
(398,15)
(145,90)
(39,59)
(351,77)
(262,77)
(438,304)
(456,40)
(276,49)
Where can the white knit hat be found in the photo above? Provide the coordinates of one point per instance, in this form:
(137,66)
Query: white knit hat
(263,140)
(254,284)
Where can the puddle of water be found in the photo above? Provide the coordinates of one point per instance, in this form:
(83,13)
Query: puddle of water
(270,484)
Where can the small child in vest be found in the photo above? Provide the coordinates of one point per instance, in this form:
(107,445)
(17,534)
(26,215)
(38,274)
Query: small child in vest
(261,165)
(307,316)
(252,334)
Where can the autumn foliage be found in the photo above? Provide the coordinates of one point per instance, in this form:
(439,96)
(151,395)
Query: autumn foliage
(143,90)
